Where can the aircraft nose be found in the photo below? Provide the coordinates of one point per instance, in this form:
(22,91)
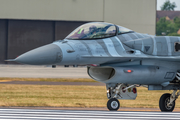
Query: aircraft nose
(45,55)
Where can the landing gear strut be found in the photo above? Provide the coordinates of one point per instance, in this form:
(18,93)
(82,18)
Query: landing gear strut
(167,101)
(119,91)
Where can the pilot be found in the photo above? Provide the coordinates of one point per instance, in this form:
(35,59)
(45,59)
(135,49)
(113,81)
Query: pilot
(92,30)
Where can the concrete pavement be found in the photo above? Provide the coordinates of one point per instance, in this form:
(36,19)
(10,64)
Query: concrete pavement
(27,71)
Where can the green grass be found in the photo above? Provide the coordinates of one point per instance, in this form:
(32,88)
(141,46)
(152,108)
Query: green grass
(71,96)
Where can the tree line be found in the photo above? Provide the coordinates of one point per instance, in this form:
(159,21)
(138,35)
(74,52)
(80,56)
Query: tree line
(168,27)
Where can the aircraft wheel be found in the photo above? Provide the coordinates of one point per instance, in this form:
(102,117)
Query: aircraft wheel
(66,65)
(163,103)
(113,104)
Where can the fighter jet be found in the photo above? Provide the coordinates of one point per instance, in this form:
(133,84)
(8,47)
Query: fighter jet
(119,57)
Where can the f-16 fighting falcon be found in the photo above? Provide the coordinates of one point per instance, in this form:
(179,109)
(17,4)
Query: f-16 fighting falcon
(120,58)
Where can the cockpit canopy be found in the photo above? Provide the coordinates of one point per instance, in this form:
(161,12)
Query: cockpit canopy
(96,30)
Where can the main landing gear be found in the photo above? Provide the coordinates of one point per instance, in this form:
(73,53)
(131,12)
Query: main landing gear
(167,101)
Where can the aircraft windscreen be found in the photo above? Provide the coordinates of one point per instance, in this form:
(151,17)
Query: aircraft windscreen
(123,30)
(94,30)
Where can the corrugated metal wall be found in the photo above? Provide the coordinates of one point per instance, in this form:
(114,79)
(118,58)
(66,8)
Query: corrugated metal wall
(138,15)
(3,40)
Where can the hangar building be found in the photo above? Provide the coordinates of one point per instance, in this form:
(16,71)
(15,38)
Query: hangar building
(27,24)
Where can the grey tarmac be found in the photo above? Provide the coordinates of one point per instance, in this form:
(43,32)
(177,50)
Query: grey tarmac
(52,83)
(40,114)
(27,71)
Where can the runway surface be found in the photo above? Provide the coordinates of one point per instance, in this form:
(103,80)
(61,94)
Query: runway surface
(27,71)
(36,114)
(52,83)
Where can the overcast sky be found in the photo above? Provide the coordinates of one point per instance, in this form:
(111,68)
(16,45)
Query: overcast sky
(161,2)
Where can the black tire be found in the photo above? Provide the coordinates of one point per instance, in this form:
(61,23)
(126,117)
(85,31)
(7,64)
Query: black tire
(165,98)
(66,65)
(113,104)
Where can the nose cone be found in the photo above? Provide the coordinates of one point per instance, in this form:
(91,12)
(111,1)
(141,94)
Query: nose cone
(45,55)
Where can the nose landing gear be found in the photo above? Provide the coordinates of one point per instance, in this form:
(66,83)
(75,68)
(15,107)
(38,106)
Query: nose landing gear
(119,91)
(113,104)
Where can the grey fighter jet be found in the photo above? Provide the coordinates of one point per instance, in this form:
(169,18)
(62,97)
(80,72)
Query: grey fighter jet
(120,58)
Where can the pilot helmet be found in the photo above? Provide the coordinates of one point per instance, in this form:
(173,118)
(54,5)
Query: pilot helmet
(93,28)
